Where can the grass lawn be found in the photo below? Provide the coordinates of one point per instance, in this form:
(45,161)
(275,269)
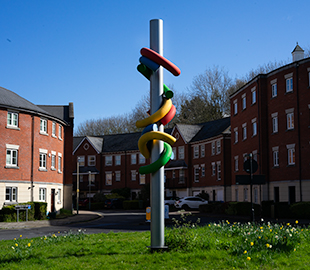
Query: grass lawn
(216,246)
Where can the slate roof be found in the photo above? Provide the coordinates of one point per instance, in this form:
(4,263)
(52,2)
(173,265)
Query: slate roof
(121,142)
(188,131)
(11,99)
(60,111)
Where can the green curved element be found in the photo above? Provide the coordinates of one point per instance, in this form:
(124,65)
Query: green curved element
(147,72)
(162,161)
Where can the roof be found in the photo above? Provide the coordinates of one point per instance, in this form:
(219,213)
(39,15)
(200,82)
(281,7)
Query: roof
(187,131)
(297,48)
(64,112)
(212,129)
(11,99)
(121,142)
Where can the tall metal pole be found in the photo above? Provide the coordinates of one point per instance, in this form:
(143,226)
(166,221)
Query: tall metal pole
(77,185)
(157,178)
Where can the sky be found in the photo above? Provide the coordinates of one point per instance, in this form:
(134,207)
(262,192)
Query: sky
(87,52)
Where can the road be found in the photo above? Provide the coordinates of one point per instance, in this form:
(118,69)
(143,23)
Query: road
(116,221)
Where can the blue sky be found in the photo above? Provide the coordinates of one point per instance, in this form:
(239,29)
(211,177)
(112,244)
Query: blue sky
(86,52)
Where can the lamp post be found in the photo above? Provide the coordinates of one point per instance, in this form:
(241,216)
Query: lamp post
(89,186)
(77,185)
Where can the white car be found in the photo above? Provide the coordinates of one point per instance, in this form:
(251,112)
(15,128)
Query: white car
(170,201)
(187,203)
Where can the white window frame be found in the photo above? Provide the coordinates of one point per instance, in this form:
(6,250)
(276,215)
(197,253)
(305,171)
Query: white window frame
(53,160)
(141,159)
(289,83)
(243,101)
(219,170)
(11,193)
(43,159)
(289,119)
(254,127)
(118,161)
(42,194)
(54,129)
(133,159)
(91,160)
(142,179)
(196,173)
(81,160)
(43,126)
(203,170)
(236,158)
(235,106)
(108,178)
(275,156)
(181,152)
(117,176)
(11,160)
(202,150)
(133,175)
(196,151)
(12,121)
(108,160)
(213,169)
(245,194)
(59,162)
(274,119)
(236,134)
(274,90)
(59,196)
(291,154)
(244,132)
(212,148)
(218,146)
(253,90)
(181,176)
(60,132)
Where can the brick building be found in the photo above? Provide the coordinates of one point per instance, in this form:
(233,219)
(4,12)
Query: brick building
(36,147)
(113,161)
(270,118)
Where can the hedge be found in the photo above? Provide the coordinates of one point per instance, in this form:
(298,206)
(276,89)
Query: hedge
(300,210)
(134,204)
(242,209)
(37,212)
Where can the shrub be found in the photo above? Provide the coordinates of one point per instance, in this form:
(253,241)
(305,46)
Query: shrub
(242,208)
(266,208)
(134,204)
(300,210)
(99,197)
(282,210)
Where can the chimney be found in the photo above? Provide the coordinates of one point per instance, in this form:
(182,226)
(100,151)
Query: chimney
(297,53)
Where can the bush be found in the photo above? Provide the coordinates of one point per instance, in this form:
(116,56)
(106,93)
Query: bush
(99,197)
(134,204)
(213,207)
(282,210)
(300,210)
(266,208)
(242,209)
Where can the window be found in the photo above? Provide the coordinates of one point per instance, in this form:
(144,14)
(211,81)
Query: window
(81,160)
(81,178)
(117,160)
(196,151)
(254,127)
(243,102)
(219,172)
(245,194)
(59,162)
(291,154)
(173,174)
(11,156)
(108,160)
(289,85)
(42,194)
(181,177)
(42,161)
(218,147)
(196,174)
(253,95)
(236,134)
(60,132)
(244,131)
(236,163)
(274,90)
(274,122)
(174,153)
(141,159)
(108,178)
(133,175)
(43,126)
(54,129)
(290,120)
(235,106)
(142,179)
(213,148)
(133,159)
(53,160)
(12,120)
(11,194)
(275,156)
(181,152)
(237,194)
(203,170)
(202,150)
(59,196)
(117,176)
(91,160)
(213,168)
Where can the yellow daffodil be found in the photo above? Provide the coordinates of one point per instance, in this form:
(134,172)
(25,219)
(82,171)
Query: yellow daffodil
(20,236)
(296,221)
(252,244)
(245,252)
(248,258)
(267,245)
(29,245)
(16,244)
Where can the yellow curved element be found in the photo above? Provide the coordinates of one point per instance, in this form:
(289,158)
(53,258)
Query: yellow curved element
(155,117)
(153,135)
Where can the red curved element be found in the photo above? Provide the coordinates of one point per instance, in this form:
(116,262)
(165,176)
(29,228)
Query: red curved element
(168,117)
(157,58)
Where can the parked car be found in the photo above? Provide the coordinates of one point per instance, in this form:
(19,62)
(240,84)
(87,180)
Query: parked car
(84,202)
(171,201)
(187,203)
(113,203)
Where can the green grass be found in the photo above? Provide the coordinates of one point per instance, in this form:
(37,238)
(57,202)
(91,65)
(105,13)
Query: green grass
(216,246)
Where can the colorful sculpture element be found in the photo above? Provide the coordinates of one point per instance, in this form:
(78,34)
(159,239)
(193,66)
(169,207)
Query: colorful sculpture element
(150,62)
